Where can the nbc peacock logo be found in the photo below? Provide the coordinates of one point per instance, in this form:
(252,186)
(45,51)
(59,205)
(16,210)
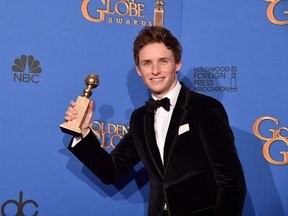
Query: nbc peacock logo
(26,69)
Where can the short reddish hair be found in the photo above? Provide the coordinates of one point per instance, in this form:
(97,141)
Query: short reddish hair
(157,34)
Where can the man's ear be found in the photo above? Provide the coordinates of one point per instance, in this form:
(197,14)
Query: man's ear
(178,66)
(138,71)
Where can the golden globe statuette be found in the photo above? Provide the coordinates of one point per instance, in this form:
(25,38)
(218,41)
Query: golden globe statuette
(159,13)
(74,127)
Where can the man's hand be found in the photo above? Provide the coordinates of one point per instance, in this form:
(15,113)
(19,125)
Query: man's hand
(71,114)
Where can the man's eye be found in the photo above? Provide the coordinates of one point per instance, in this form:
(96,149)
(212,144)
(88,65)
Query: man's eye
(163,61)
(146,64)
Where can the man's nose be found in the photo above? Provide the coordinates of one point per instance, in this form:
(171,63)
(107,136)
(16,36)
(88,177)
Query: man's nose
(155,69)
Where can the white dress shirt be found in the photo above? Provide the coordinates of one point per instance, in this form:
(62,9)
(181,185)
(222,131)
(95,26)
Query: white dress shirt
(162,118)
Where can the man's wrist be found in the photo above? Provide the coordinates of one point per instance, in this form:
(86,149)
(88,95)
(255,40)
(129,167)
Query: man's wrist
(77,139)
(85,131)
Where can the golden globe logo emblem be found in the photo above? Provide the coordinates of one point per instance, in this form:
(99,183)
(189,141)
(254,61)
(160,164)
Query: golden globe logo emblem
(269,141)
(271,11)
(116,12)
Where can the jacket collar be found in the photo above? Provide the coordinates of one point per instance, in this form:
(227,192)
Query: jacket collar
(177,119)
(178,116)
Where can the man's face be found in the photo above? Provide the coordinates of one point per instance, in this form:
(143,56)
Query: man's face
(157,68)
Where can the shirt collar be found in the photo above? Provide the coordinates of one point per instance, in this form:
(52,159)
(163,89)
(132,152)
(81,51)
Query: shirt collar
(172,94)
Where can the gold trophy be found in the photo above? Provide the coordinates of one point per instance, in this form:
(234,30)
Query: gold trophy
(74,127)
(159,13)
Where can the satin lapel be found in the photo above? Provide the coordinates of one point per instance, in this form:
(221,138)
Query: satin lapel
(151,142)
(178,116)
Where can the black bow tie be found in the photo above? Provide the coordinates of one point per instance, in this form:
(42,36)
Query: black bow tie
(153,105)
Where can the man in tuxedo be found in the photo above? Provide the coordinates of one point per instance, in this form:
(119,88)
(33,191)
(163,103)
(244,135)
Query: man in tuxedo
(182,137)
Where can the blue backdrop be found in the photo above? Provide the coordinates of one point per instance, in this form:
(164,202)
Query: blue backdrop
(235,51)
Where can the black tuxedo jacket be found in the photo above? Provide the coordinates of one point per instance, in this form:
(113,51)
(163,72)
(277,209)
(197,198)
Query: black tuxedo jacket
(201,174)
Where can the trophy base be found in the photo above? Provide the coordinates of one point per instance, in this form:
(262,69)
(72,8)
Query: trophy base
(66,128)
(74,127)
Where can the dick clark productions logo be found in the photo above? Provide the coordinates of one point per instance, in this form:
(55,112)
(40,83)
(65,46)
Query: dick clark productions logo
(20,204)
(26,69)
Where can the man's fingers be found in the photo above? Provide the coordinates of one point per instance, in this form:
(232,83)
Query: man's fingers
(72,103)
(72,111)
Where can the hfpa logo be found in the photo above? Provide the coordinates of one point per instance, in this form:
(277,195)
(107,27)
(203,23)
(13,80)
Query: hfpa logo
(19,206)
(27,69)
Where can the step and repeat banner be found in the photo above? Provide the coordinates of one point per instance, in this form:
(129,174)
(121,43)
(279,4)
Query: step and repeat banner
(234,51)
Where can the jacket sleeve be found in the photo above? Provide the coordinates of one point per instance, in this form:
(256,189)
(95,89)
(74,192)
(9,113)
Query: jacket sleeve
(108,167)
(218,141)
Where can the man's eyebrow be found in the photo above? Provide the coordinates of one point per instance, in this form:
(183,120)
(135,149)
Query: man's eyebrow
(160,59)
(145,60)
